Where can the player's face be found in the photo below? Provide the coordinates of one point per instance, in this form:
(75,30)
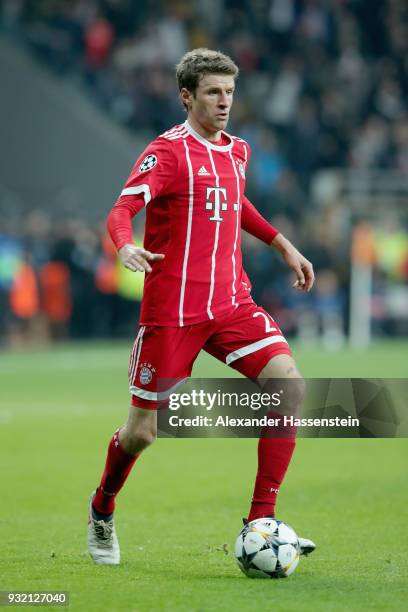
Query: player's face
(210,105)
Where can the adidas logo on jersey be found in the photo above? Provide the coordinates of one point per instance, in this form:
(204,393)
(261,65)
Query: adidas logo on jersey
(203,171)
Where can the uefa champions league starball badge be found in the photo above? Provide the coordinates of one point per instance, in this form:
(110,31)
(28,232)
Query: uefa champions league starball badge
(148,163)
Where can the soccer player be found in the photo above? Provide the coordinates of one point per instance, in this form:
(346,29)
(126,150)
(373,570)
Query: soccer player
(191,180)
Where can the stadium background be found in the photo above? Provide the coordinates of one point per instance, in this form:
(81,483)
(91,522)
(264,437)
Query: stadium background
(321,99)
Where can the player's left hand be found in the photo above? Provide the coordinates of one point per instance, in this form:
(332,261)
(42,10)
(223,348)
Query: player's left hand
(303,269)
(295,260)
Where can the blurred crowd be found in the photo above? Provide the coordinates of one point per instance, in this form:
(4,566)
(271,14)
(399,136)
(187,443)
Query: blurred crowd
(61,279)
(323,84)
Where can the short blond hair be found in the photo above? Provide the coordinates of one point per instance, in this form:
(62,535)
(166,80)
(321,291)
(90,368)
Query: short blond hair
(199,62)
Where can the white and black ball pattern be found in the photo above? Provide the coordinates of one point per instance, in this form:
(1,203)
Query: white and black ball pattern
(148,163)
(267,548)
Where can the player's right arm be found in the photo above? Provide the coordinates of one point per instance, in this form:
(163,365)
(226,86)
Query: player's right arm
(151,176)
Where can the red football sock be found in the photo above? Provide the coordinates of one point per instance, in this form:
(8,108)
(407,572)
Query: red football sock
(274,455)
(117,468)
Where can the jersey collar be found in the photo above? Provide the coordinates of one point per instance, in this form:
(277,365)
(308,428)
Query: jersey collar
(206,142)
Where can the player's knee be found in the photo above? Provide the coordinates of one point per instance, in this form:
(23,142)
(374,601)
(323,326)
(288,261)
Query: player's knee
(291,392)
(145,437)
(137,439)
(296,389)
(292,396)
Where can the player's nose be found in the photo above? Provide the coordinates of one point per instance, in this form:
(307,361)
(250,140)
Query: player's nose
(224,101)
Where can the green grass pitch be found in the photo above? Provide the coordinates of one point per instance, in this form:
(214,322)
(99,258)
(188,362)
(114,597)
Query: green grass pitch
(184,501)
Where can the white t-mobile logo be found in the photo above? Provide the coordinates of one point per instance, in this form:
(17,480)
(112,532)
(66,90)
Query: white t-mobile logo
(215,203)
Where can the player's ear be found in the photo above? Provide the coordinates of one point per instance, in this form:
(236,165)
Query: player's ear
(185,96)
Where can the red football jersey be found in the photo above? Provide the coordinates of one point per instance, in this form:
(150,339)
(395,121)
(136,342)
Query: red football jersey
(193,191)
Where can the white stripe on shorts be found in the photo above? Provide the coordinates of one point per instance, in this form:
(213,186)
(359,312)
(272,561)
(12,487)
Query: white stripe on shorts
(155,396)
(133,356)
(251,348)
(134,360)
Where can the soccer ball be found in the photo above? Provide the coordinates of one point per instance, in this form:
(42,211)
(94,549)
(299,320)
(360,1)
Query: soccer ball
(267,548)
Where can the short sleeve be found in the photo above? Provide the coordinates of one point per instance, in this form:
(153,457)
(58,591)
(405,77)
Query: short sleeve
(153,173)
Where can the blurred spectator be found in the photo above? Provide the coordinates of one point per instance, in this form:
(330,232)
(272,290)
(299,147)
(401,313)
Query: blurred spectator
(98,39)
(304,139)
(282,101)
(267,162)
(24,302)
(400,145)
(371,145)
(287,199)
(10,257)
(56,300)
(11,12)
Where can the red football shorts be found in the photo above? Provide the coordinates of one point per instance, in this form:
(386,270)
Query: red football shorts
(245,339)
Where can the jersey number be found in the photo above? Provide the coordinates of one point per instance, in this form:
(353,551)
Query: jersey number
(268,319)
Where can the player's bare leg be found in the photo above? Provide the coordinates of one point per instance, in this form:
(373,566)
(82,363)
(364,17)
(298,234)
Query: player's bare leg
(275,448)
(124,448)
(140,430)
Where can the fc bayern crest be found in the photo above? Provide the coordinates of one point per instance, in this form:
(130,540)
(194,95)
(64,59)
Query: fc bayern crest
(148,163)
(146,373)
(241,168)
